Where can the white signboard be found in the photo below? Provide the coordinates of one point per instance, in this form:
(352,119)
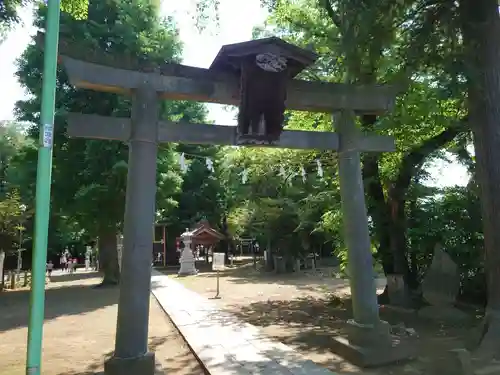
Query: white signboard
(218,261)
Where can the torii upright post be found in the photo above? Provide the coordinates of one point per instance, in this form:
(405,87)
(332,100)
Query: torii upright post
(228,81)
(369,339)
(355,221)
(131,346)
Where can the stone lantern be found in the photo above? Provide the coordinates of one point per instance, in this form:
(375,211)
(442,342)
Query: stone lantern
(187,260)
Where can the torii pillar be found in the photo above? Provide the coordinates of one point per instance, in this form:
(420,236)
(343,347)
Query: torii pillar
(369,341)
(131,354)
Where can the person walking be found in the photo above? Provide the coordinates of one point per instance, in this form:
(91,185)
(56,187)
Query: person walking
(62,262)
(49,267)
(87,258)
(69,265)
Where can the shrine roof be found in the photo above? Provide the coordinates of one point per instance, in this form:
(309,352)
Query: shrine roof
(210,231)
(229,57)
(203,227)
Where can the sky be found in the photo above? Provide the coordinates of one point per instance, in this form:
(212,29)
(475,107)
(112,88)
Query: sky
(237,19)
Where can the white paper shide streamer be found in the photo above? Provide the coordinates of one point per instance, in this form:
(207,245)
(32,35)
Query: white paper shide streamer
(303,174)
(320,168)
(244,176)
(210,164)
(282,172)
(182,163)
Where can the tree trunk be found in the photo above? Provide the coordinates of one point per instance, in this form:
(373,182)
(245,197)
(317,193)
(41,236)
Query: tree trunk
(378,211)
(389,218)
(412,209)
(480,24)
(108,256)
(398,228)
(376,204)
(388,213)
(2,273)
(225,244)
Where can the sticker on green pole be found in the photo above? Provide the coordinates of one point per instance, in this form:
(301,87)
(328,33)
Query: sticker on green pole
(48,135)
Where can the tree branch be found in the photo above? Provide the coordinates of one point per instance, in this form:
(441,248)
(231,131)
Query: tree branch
(331,13)
(432,12)
(416,157)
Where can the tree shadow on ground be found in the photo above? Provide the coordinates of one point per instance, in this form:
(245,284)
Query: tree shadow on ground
(163,366)
(310,324)
(203,267)
(306,317)
(14,305)
(247,274)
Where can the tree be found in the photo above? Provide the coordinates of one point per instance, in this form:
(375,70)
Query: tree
(198,197)
(9,11)
(8,14)
(366,43)
(480,25)
(10,216)
(451,43)
(12,143)
(276,204)
(90,176)
(472,29)
(12,140)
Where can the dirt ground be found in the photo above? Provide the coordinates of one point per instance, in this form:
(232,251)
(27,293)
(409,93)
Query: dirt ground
(79,330)
(304,312)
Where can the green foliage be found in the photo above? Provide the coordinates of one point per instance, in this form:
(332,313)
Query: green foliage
(79,9)
(413,44)
(206,13)
(12,140)
(9,11)
(13,200)
(279,209)
(451,217)
(10,218)
(89,176)
(199,195)
(367,43)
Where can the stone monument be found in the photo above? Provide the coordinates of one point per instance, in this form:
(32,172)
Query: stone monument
(440,288)
(187,260)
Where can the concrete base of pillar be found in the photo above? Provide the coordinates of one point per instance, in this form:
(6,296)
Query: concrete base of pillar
(368,346)
(143,365)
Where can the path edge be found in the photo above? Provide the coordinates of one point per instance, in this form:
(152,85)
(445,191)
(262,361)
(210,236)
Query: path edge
(181,334)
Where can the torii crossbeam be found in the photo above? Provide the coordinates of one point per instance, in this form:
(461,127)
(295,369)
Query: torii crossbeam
(119,129)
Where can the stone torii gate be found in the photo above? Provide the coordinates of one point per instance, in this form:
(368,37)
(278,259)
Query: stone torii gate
(369,342)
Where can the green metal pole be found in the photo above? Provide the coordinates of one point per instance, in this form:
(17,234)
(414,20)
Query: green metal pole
(43,181)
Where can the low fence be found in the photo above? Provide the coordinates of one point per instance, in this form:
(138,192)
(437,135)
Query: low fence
(13,279)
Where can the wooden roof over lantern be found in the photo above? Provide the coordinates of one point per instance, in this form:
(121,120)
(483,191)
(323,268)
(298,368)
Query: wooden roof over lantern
(230,55)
